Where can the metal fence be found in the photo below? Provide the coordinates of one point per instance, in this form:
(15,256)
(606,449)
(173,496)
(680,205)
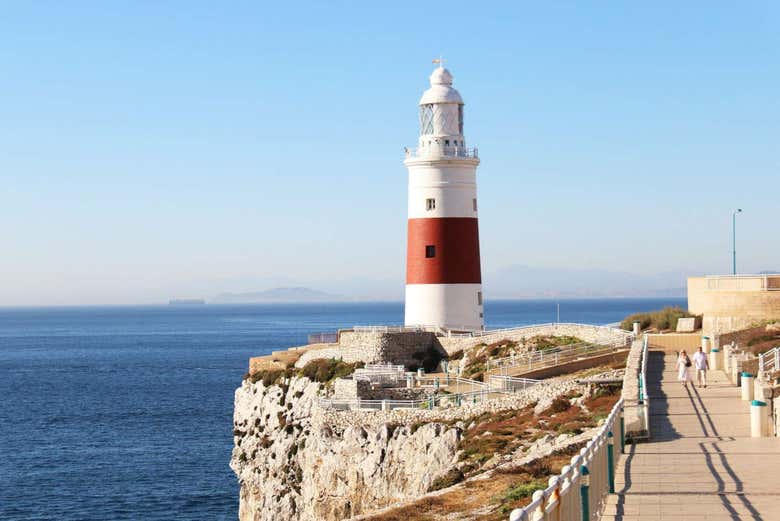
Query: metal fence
(579,492)
(511,383)
(769,362)
(533,360)
(323,338)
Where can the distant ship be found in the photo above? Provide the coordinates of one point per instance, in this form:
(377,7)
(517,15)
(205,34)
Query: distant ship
(186,302)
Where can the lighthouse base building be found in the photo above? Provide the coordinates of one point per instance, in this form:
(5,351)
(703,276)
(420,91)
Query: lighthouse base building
(443,274)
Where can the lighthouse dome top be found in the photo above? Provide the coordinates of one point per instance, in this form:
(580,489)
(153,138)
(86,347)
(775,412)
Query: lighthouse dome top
(441,90)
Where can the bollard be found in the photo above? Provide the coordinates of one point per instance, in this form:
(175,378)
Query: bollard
(714,365)
(759,421)
(518,514)
(611,461)
(637,329)
(705,344)
(584,488)
(747,387)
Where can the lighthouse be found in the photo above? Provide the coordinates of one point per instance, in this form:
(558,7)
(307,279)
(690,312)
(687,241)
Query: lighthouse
(443,275)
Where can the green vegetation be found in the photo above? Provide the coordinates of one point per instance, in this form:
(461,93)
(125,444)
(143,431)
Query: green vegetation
(663,319)
(321,370)
(518,492)
(453,477)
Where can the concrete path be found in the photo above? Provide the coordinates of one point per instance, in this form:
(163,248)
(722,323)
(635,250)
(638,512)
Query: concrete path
(701,463)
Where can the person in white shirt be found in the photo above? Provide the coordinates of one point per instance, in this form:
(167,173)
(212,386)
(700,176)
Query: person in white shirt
(701,364)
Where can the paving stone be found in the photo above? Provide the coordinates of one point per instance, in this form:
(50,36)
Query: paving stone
(701,463)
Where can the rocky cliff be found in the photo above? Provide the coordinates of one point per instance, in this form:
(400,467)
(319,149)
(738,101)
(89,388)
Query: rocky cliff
(294,464)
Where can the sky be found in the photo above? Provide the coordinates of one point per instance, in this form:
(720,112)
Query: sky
(151,150)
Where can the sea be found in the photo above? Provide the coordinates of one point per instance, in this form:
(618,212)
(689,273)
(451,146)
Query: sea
(125,413)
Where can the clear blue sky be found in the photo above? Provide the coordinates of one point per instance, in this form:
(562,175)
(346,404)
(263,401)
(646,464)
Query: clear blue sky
(160,149)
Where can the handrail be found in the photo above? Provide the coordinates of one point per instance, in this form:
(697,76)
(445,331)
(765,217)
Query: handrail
(644,397)
(553,356)
(441,150)
(511,382)
(581,489)
(769,361)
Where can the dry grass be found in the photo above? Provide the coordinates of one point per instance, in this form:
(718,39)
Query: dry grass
(508,487)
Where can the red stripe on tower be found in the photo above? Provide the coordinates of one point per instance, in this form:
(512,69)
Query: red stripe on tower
(443,251)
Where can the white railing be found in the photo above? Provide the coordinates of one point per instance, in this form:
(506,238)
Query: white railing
(390,329)
(580,491)
(533,360)
(323,338)
(431,402)
(769,362)
(743,282)
(439,151)
(608,329)
(511,383)
(644,397)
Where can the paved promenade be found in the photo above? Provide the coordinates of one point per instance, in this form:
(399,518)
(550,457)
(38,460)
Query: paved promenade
(701,463)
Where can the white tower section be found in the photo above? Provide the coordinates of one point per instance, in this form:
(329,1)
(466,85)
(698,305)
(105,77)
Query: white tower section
(443,276)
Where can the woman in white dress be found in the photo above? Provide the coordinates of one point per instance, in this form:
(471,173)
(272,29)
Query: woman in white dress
(684,369)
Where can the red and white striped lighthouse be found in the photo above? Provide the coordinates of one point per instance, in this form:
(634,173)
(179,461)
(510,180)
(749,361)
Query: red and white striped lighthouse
(443,276)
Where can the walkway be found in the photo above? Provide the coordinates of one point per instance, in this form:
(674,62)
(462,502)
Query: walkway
(701,463)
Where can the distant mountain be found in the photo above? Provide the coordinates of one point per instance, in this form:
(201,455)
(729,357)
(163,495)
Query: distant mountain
(291,294)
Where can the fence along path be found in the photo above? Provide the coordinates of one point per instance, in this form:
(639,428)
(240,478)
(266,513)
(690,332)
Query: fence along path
(700,463)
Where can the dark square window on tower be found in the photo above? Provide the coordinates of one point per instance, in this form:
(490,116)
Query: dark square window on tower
(430,204)
(430,251)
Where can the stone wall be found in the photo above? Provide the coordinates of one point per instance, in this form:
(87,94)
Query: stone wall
(588,333)
(632,412)
(373,347)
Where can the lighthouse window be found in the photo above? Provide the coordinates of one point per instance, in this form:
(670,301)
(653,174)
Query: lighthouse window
(430,251)
(460,119)
(479,298)
(430,204)
(426,119)
(475,204)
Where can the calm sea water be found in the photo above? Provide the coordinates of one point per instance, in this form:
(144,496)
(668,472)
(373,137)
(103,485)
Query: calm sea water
(126,412)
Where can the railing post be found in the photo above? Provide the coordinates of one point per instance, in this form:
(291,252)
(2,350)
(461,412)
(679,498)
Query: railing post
(777,360)
(622,431)
(584,492)
(611,461)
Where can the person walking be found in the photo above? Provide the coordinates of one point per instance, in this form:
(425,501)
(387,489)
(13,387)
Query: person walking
(683,369)
(701,364)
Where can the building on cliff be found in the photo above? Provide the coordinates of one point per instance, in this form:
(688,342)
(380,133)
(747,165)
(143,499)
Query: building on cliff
(443,276)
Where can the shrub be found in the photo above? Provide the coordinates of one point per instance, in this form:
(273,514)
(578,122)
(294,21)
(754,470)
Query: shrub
(327,370)
(665,318)
(452,477)
(559,404)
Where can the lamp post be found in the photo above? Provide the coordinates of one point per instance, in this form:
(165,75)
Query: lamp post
(734,240)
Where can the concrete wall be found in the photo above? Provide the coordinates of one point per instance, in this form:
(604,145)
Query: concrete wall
(732,303)
(675,341)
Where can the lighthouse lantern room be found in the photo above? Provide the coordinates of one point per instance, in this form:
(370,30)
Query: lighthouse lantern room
(443,276)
